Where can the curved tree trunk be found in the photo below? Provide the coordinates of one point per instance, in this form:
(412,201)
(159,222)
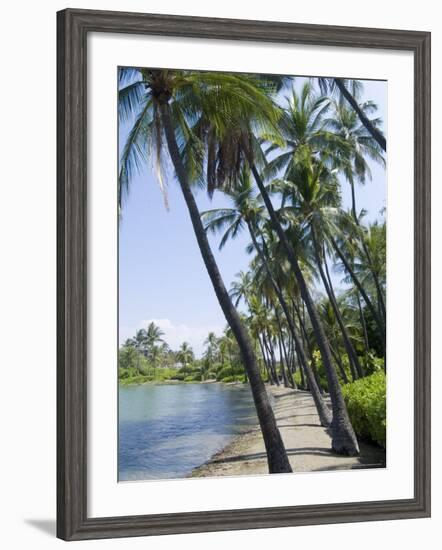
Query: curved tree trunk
(292,381)
(276,454)
(321,407)
(264,359)
(301,319)
(365,121)
(378,286)
(304,384)
(338,361)
(376,317)
(272,361)
(364,329)
(359,368)
(283,366)
(355,365)
(282,359)
(343,436)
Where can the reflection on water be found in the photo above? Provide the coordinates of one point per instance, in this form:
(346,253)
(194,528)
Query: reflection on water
(167,430)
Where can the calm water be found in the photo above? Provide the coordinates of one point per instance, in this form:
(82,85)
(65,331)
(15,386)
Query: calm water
(167,430)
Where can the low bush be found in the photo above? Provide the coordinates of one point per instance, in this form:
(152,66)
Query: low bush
(138,379)
(234,378)
(179,376)
(374,364)
(127,373)
(225,372)
(195,377)
(366,405)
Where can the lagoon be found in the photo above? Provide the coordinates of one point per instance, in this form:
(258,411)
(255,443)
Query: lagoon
(165,431)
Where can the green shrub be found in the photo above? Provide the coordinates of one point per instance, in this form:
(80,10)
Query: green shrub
(374,364)
(125,374)
(164,373)
(138,379)
(178,376)
(321,370)
(297,377)
(195,377)
(225,372)
(233,378)
(366,405)
(230,371)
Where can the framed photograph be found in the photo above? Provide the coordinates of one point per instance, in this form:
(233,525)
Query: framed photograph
(243,274)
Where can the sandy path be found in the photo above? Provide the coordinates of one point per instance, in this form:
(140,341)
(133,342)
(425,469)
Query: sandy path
(308,444)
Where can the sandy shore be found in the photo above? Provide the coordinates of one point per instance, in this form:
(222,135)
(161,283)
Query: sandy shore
(308,444)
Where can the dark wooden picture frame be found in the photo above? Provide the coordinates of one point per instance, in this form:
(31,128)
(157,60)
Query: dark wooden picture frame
(73,27)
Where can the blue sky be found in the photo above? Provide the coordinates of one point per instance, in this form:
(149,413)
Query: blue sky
(161,273)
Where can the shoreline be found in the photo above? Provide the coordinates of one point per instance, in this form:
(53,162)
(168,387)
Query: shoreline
(179,382)
(308,444)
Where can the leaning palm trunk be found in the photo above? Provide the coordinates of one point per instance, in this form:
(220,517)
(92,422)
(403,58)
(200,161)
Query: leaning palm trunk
(378,286)
(377,318)
(292,381)
(365,121)
(338,361)
(283,366)
(271,355)
(276,454)
(265,360)
(301,320)
(321,407)
(282,361)
(343,436)
(355,365)
(364,329)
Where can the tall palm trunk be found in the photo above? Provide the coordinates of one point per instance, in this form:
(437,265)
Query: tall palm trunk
(343,436)
(276,454)
(282,362)
(304,384)
(364,329)
(271,357)
(301,319)
(338,361)
(289,364)
(355,365)
(377,283)
(265,360)
(283,366)
(350,271)
(271,353)
(356,371)
(365,121)
(321,407)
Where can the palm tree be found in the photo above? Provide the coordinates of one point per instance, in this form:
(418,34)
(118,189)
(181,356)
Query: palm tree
(303,126)
(344,123)
(153,338)
(349,90)
(245,213)
(127,355)
(166,355)
(211,352)
(313,192)
(140,344)
(343,437)
(185,354)
(347,247)
(181,107)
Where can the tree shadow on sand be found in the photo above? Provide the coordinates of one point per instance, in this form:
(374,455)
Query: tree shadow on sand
(368,460)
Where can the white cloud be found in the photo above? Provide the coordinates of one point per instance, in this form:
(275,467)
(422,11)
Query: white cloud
(175,335)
